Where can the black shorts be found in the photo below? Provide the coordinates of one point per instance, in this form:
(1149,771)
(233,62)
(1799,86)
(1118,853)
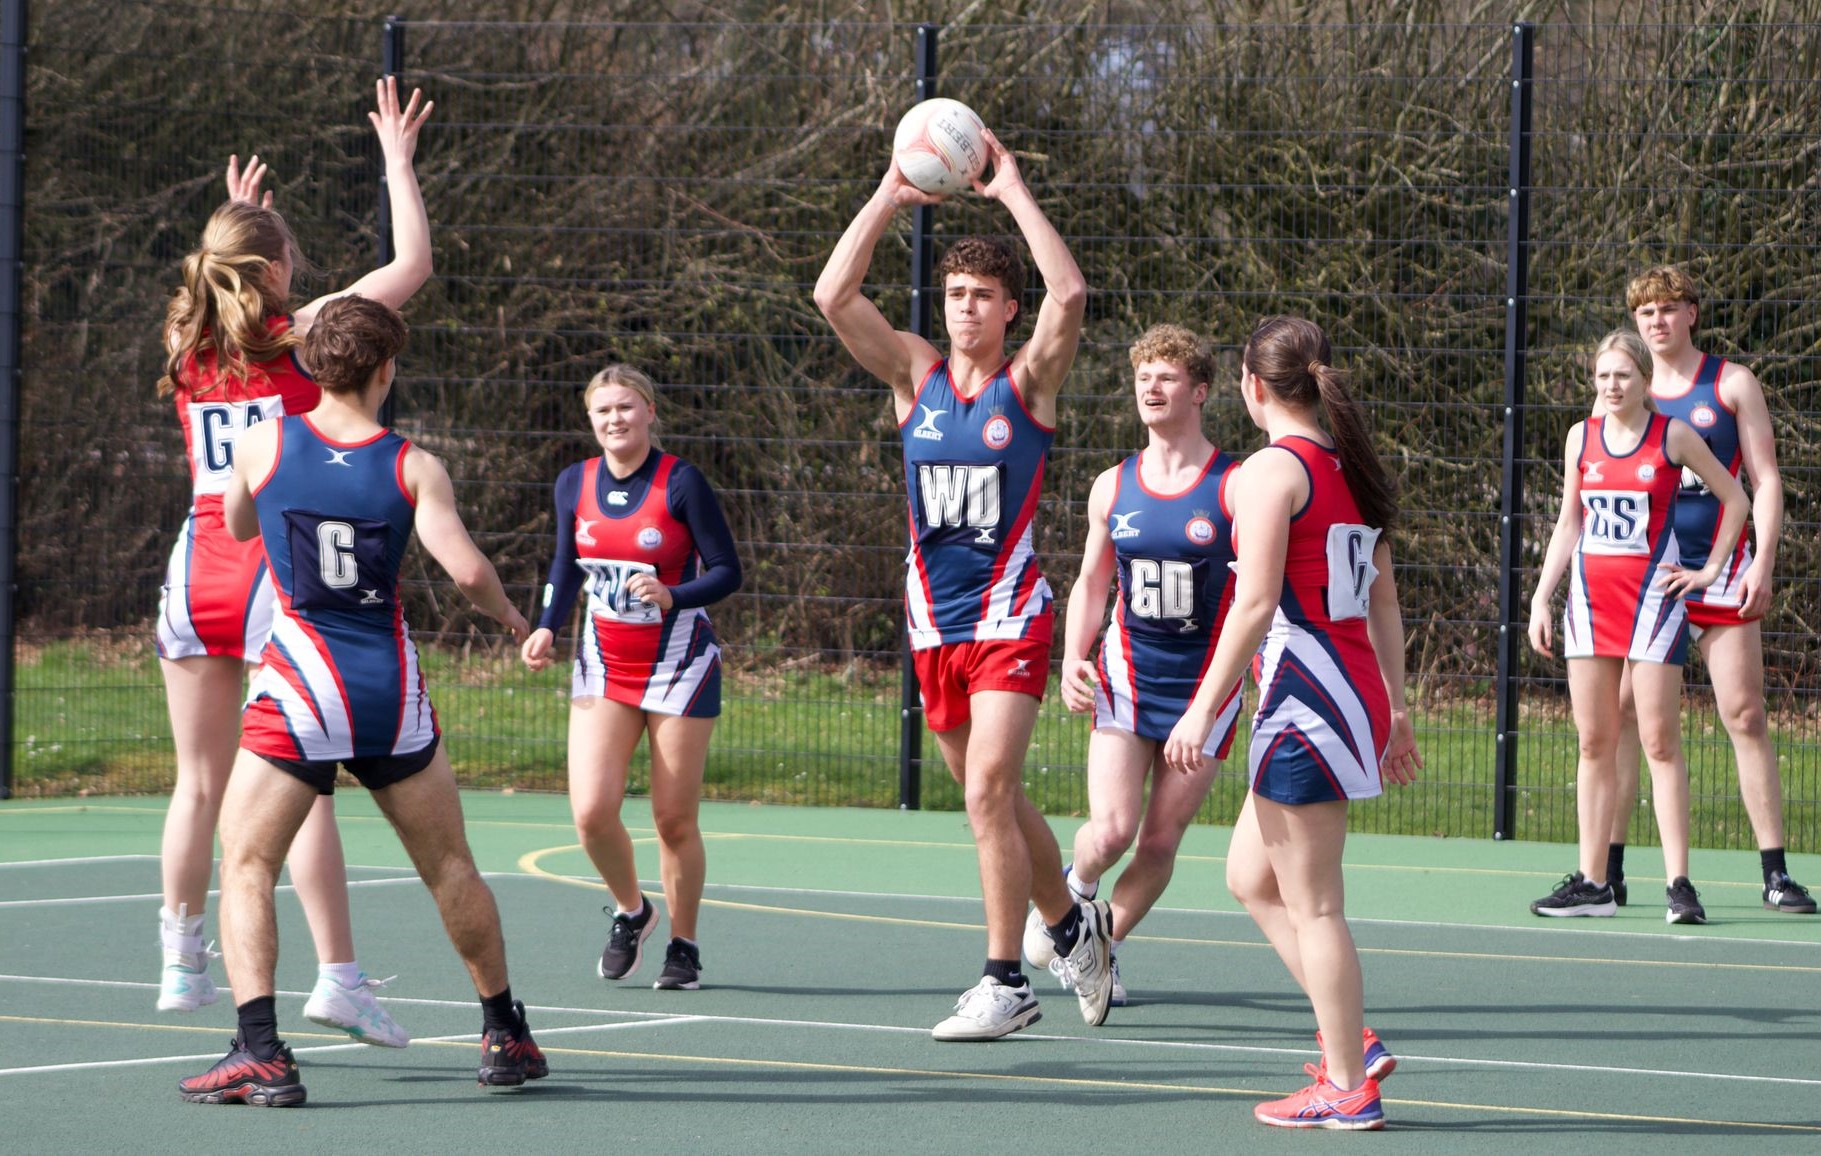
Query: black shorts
(373,771)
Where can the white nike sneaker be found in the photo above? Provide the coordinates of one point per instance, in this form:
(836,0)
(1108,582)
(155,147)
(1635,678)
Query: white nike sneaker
(355,1011)
(989,1010)
(1038,948)
(1088,968)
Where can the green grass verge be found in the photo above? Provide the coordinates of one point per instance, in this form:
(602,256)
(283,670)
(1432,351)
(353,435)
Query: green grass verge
(91,720)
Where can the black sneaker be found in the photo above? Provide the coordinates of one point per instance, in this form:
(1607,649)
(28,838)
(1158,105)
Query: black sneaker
(682,968)
(1684,902)
(1781,893)
(1576,896)
(509,1058)
(241,1078)
(1619,891)
(626,942)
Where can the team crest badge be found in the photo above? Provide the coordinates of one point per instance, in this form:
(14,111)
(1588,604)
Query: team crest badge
(1647,472)
(998,432)
(1703,416)
(650,538)
(1200,530)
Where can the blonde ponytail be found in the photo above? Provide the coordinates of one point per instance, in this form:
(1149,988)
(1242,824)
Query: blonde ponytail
(227,296)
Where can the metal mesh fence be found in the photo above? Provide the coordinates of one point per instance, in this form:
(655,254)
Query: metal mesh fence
(665,194)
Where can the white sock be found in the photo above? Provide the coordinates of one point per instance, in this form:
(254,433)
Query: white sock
(346,974)
(180,933)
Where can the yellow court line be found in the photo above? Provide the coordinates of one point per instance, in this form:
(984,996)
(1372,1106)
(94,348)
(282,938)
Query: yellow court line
(1145,1086)
(999,1077)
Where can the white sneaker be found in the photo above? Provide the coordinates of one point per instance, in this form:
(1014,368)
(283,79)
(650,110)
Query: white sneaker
(184,985)
(1088,968)
(1038,947)
(355,1011)
(989,1010)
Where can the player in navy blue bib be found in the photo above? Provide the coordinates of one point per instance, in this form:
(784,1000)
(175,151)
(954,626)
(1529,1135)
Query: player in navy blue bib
(976,428)
(335,497)
(1160,538)
(1724,403)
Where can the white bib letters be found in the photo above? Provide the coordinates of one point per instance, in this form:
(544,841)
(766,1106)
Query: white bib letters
(607,593)
(1618,522)
(1350,570)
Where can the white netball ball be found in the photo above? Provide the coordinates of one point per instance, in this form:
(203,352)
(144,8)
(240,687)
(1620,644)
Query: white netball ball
(938,146)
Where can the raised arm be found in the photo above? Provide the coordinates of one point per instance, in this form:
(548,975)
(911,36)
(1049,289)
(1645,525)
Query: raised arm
(897,358)
(1561,543)
(1691,450)
(394,282)
(1043,362)
(1740,390)
(1088,597)
(439,526)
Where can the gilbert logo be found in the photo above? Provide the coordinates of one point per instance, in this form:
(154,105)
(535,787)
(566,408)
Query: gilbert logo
(339,458)
(1122,524)
(998,432)
(1021,668)
(582,534)
(372,598)
(1591,473)
(926,428)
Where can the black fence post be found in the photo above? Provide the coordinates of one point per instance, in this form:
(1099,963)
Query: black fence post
(391,63)
(1511,503)
(12,269)
(923,296)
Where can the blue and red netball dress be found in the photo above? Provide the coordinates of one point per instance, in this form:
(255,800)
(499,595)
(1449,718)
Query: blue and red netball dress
(1175,587)
(217,599)
(1697,517)
(341,680)
(1324,716)
(1615,607)
(663,521)
(973,468)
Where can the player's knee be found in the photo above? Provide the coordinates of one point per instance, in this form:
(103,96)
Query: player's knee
(991,794)
(1158,847)
(675,828)
(1745,718)
(598,822)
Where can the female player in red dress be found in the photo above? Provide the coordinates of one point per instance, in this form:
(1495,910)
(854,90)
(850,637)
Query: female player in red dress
(1621,470)
(1315,588)
(640,531)
(232,361)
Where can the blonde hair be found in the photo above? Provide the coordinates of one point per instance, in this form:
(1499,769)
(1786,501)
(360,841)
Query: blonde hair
(1176,344)
(1633,347)
(619,373)
(227,294)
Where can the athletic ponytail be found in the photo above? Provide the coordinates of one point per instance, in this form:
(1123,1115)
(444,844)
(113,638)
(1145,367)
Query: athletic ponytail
(227,296)
(1294,360)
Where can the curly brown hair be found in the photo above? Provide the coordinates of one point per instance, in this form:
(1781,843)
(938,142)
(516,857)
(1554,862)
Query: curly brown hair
(987,257)
(353,336)
(1663,283)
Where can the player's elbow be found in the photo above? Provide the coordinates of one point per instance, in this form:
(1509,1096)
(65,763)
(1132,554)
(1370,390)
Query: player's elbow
(1069,291)
(830,297)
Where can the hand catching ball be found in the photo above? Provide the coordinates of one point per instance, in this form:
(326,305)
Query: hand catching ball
(938,146)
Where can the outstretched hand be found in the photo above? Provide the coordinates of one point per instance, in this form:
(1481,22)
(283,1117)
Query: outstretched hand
(1004,166)
(398,128)
(244,186)
(902,192)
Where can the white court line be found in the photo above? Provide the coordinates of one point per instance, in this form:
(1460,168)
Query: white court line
(319,1049)
(667,1019)
(1541,928)
(77,900)
(68,862)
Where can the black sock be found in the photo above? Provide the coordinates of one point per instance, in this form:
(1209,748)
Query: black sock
(259,1027)
(1005,971)
(1615,861)
(1772,862)
(1066,933)
(497,1013)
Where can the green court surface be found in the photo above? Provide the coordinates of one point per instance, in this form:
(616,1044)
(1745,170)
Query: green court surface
(833,939)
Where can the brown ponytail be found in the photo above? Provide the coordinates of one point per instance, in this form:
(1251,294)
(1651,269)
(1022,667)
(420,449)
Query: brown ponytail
(227,295)
(1294,360)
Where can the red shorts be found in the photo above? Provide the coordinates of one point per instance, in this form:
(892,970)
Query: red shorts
(948,674)
(1701,615)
